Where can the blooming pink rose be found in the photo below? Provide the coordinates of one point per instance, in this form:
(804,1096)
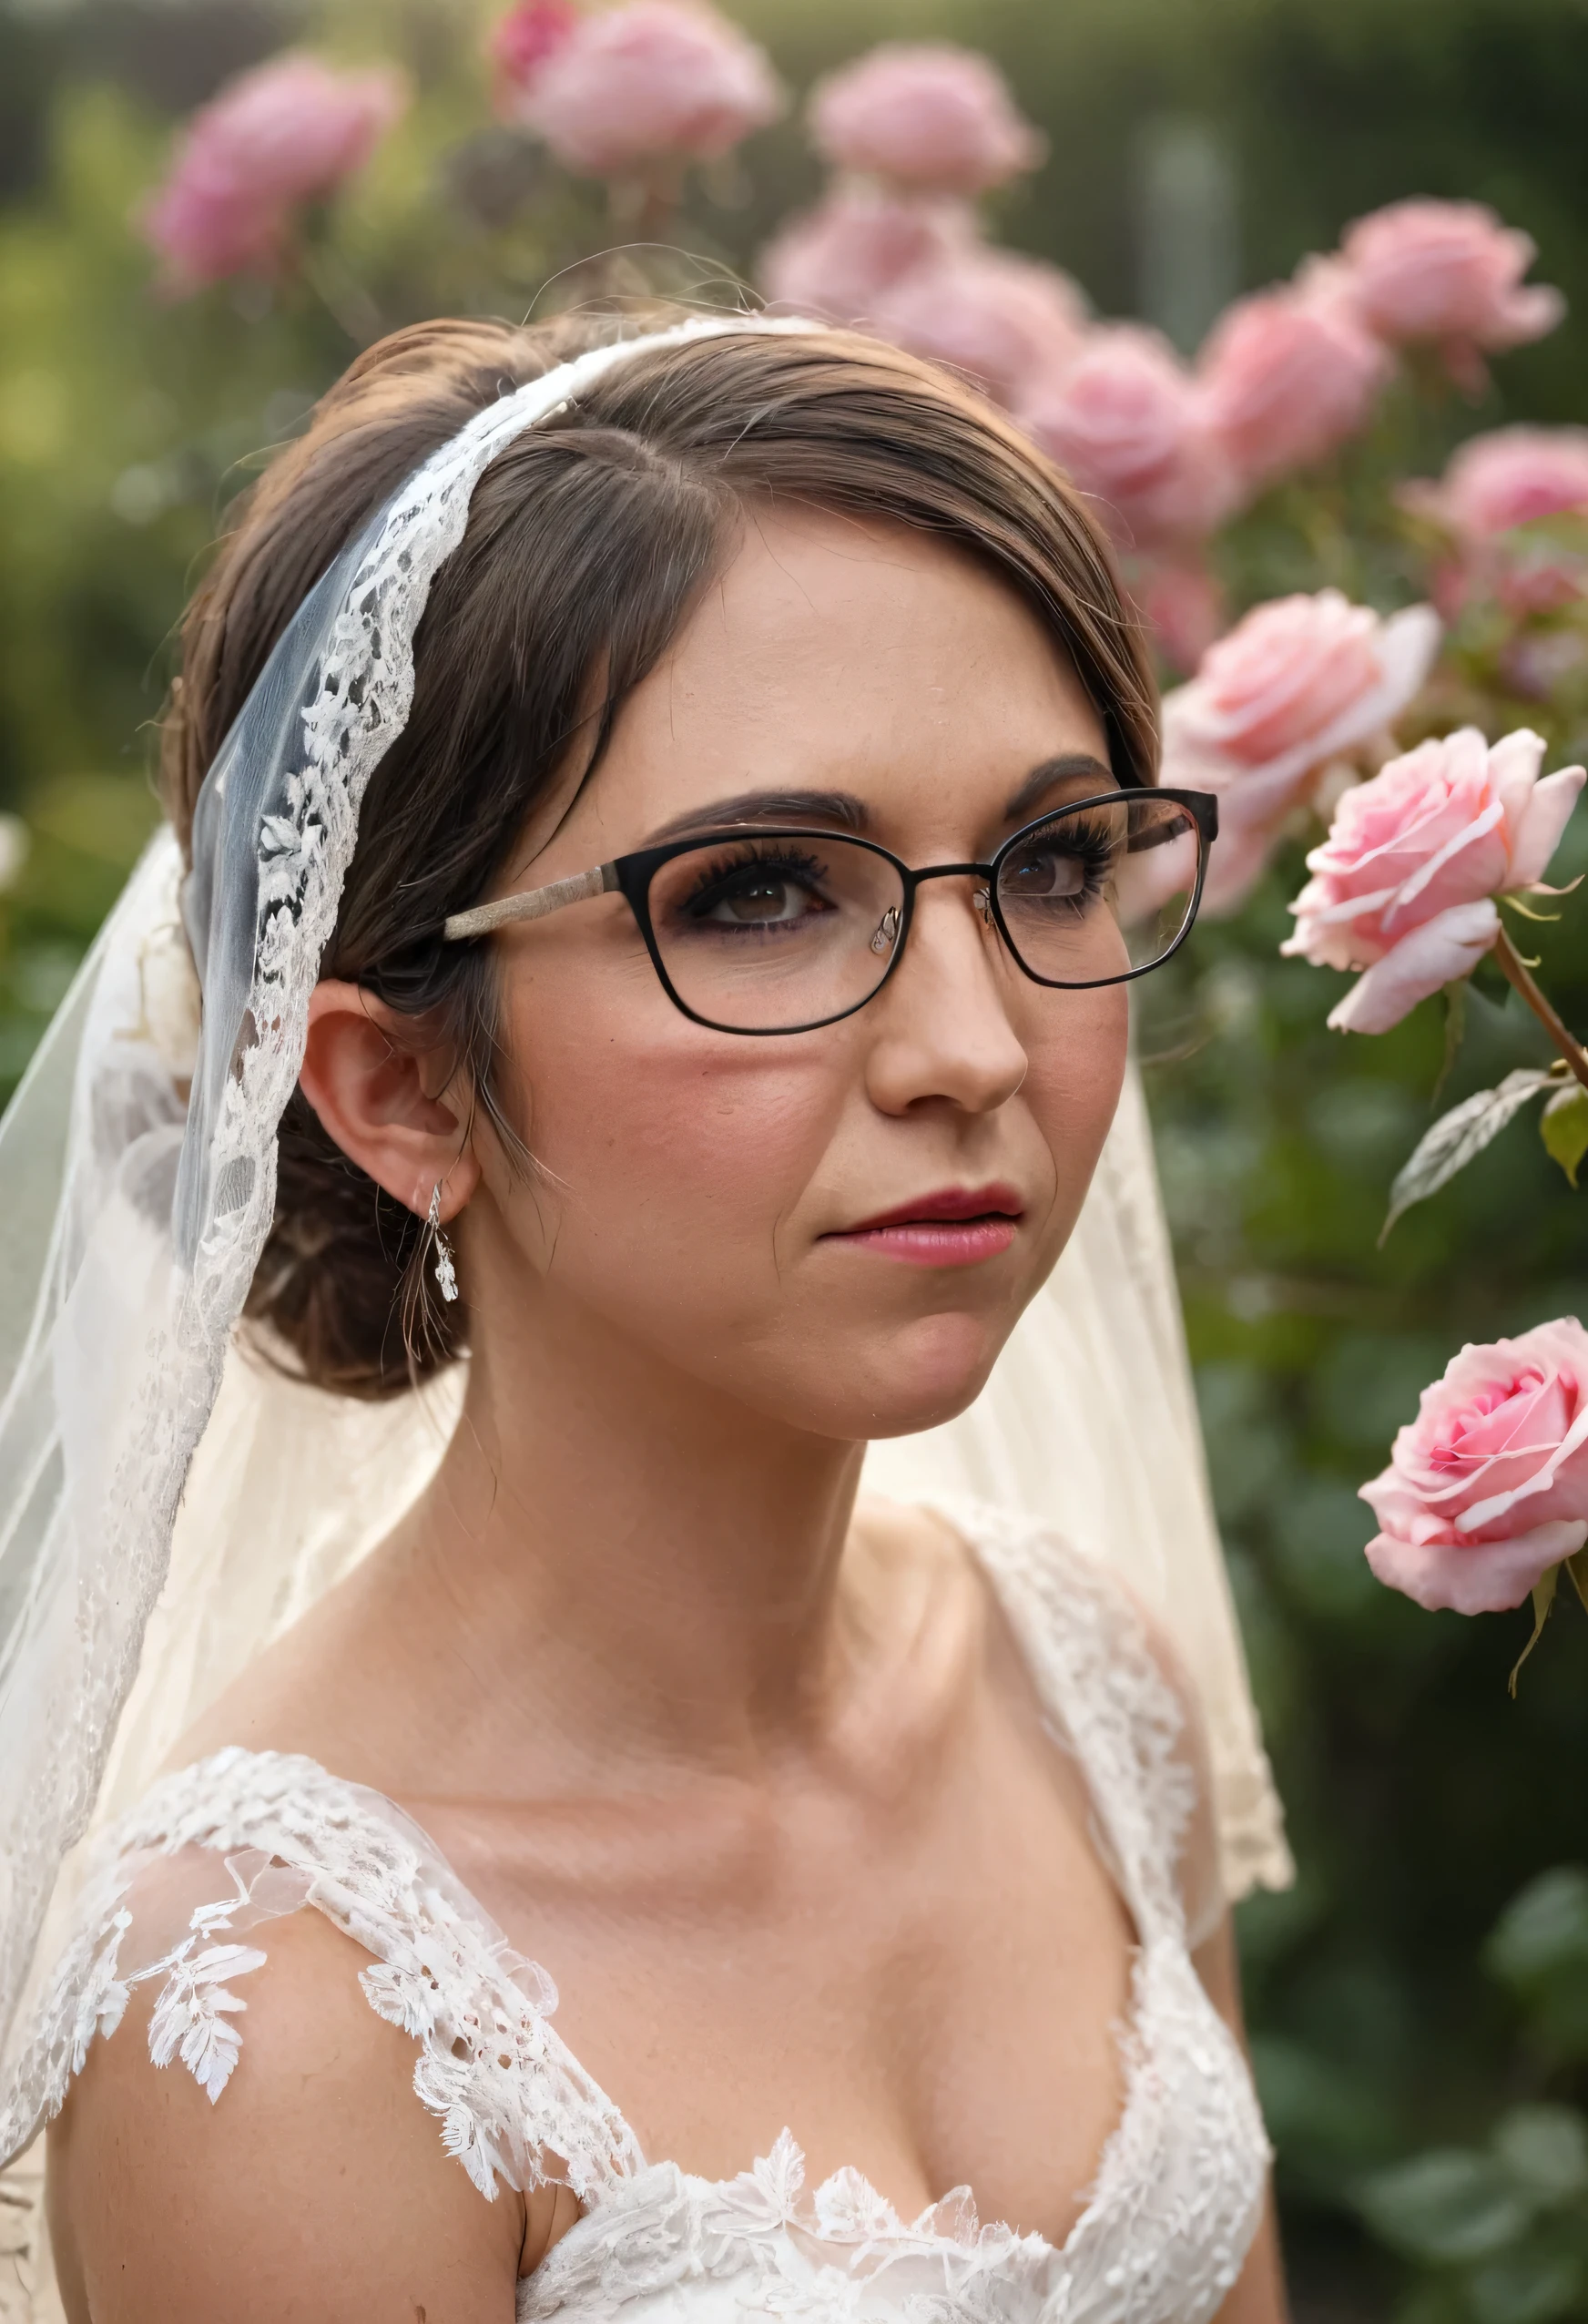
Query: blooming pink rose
(1508,476)
(657,80)
(1125,421)
(1488,1487)
(287,132)
(1493,483)
(1299,681)
(522,41)
(838,258)
(927,117)
(1286,378)
(1404,885)
(1450,272)
(1002,319)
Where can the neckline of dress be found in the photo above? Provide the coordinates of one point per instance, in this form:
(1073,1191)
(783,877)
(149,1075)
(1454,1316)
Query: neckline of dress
(884,2223)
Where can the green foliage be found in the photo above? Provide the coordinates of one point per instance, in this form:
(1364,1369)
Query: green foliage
(1564,1128)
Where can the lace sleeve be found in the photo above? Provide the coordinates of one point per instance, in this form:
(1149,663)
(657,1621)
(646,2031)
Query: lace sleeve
(181,1890)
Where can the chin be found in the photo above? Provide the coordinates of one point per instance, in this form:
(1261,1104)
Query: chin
(928,1373)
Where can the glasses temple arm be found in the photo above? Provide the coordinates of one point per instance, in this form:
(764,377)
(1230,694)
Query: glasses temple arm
(534,903)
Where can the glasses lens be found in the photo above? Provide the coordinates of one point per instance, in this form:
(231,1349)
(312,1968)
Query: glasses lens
(764,934)
(1103,890)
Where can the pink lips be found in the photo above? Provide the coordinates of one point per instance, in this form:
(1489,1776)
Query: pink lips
(956,1227)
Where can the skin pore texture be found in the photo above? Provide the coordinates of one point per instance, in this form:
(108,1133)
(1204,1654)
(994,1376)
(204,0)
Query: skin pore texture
(760,1779)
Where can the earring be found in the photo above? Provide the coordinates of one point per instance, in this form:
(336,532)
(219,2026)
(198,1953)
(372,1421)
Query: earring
(446,1274)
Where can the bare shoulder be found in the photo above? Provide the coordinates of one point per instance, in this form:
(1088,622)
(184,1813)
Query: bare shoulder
(315,2185)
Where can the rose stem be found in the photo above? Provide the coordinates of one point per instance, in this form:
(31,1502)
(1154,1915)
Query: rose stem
(1515,971)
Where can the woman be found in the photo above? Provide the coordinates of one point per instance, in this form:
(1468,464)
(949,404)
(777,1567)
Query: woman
(714,1027)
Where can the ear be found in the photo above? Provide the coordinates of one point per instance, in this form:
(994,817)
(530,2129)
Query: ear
(368,1075)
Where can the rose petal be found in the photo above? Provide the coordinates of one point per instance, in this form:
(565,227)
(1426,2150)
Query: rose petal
(1431,956)
(1487,1579)
(1547,813)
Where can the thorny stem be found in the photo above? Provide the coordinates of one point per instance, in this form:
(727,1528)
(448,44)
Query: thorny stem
(1515,969)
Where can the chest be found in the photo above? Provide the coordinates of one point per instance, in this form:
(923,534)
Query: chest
(924,1984)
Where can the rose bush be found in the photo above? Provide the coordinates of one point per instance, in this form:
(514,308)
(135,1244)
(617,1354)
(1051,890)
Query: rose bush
(1404,886)
(1300,682)
(935,117)
(1488,1487)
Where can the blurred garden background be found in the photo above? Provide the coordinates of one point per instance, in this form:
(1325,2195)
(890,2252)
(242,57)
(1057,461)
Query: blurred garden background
(1418,2000)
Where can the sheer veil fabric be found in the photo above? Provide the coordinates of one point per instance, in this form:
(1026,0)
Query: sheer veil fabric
(152,1536)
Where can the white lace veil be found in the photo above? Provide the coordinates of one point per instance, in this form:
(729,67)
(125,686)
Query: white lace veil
(133,1212)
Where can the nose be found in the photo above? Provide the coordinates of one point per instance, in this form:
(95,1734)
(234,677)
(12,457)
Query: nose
(941,1024)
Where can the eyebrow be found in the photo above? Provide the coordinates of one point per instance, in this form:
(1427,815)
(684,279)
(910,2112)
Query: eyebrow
(840,807)
(1069,766)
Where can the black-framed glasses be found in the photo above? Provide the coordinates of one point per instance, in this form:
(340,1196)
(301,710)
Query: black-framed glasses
(783,930)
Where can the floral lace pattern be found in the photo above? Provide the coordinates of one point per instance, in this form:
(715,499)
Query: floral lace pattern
(1179,2188)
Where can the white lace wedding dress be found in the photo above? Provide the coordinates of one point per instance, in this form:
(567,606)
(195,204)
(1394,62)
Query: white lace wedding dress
(1178,2190)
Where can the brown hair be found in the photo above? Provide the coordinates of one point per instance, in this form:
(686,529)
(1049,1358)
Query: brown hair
(588,541)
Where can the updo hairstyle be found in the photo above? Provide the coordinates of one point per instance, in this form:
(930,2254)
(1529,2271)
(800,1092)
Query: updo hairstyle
(589,540)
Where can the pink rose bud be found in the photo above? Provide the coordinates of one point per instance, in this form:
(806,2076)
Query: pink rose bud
(656,81)
(1448,272)
(523,40)
(1488,1487)
(1125,423)
(287,133)
(1404,886)
(1004,321)
(936,117)
(1286,378)
(1298,682)
(838,258)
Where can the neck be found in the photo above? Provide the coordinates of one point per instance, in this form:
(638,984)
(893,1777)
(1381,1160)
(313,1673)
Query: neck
(637,1557)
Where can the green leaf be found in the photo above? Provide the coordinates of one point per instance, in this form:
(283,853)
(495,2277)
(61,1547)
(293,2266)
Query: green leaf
(1457,1136)
(1545,2151)
(1446,2207)
(1563,1127)
(1544,1598)
(1528,2287)
(1543,1932)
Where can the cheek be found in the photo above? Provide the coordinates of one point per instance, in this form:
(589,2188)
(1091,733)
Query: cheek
(1073,1083)
(672,1147)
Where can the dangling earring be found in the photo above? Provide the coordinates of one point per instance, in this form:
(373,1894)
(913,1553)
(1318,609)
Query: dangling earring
(446,1274)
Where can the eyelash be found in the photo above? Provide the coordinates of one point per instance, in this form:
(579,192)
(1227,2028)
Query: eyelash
(714,878)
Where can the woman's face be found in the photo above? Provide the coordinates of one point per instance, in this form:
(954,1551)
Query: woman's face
(708,1195)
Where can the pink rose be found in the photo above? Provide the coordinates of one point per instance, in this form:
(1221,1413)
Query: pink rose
(940,117)
(1286,378)
(287,133)
(838,258)
(1488,1487)
(1002,319)
(1125,422)
(656,81)
(1299,681)
(1508,476)
(523,39)
(1404,885)
(1493,483)
(1448,272)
